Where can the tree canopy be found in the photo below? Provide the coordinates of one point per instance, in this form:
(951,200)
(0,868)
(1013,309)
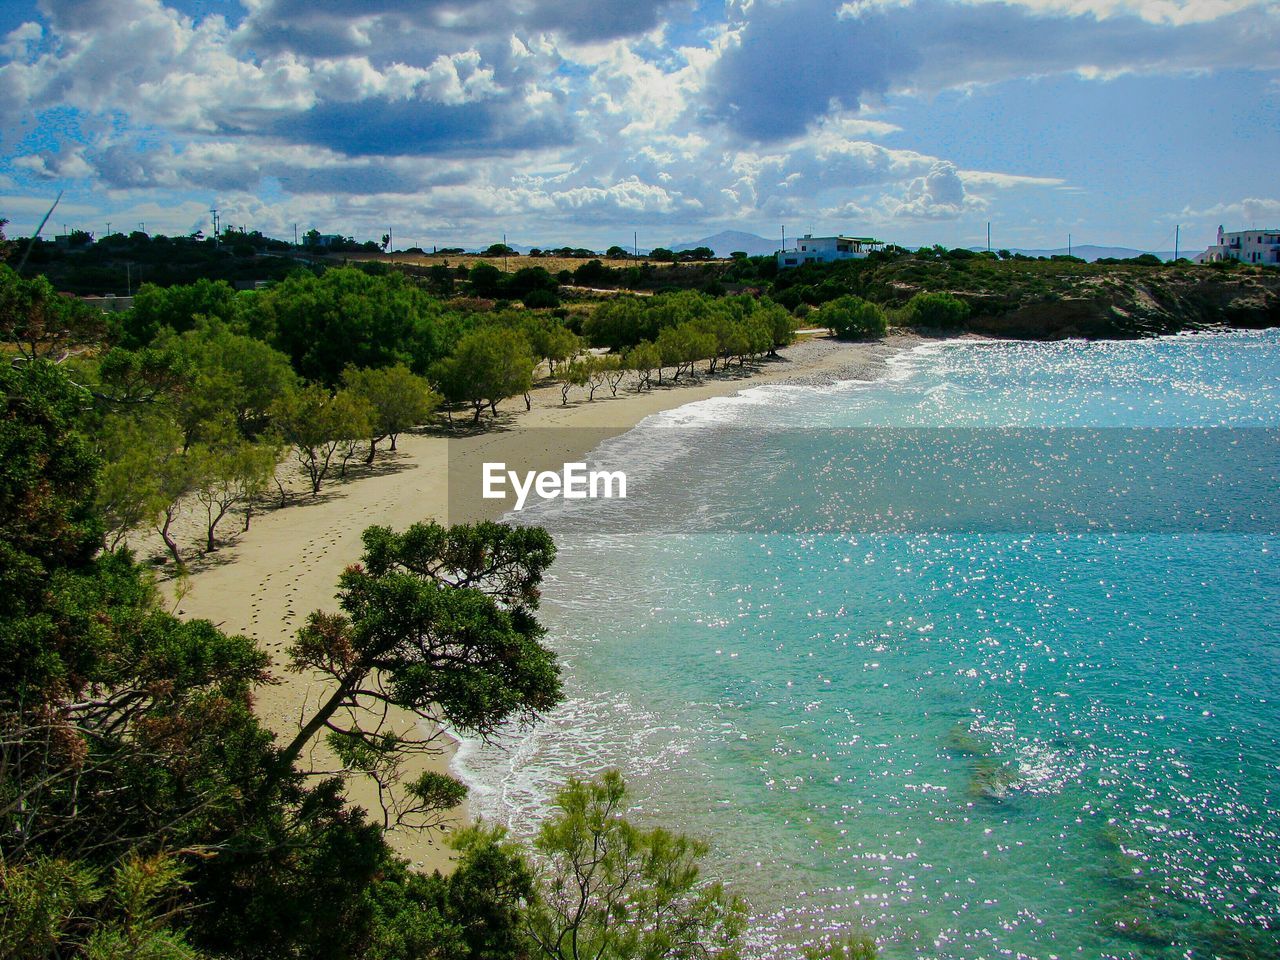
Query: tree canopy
(346,317)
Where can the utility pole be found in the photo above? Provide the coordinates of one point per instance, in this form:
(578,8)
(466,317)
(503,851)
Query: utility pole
(1177,236)
(295,235)
(108,228)
(988,236)
(635,244)
(784,239)
(214,213)
(1068,244)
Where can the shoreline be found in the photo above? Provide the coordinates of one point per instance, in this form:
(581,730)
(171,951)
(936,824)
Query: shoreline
(264,584)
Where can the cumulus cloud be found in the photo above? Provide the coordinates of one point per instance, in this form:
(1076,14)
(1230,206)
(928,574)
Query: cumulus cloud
(938,195)
(581,113)
(1264,212)
(400,27)
(787,64)
(192,77)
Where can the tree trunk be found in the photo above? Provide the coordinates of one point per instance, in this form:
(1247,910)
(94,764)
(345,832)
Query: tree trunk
(289,755)
(393,441)
(211,544)
(373,449)
(169,516)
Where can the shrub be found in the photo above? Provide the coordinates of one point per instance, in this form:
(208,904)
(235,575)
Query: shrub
(940,310)
(852,317)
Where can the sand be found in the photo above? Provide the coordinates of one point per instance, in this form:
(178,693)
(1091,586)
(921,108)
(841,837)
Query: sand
(265,583)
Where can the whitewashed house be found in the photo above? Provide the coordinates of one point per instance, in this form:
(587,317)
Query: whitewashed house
(1247,246)
(810,249)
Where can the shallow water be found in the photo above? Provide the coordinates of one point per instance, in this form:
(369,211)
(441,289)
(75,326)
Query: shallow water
(980,743)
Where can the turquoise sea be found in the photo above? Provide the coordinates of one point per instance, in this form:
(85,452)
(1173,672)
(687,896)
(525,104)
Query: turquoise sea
(995,741)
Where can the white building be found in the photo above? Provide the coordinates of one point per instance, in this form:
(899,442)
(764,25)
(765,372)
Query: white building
(1247,246)
(810,249)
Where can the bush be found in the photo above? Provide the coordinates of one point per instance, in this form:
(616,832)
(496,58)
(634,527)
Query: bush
(486,280)
(536,299)
(940,310)
(851,318)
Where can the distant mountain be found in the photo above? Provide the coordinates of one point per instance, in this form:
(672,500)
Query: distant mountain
(727,241)
(1090,252)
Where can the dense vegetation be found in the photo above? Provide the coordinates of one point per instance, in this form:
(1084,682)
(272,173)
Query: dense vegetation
(145,810)
(1014,295)
(120,263)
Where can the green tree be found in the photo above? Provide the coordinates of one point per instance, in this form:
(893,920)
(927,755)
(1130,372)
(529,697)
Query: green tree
(178,308)
(316,423)
(47,520)
(698,253)
(174,476)
(617,323)
(601,370)
(399,401)
(937,310)
(39,323)
(575,373)
(439,622)
(134,379)
(231,374)
(644,358)
(128,488)
(486,280)
(487,366)
(345,317)
(556,344)
(231,471)
(615,891)
(535,286)
(46,905)
(683,346)
(851,317)
(128,746)
(781,323)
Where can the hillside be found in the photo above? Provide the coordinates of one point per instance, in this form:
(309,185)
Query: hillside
(1048,300)
(1092,252)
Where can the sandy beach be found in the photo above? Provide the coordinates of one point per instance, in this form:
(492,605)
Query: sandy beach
(265,583)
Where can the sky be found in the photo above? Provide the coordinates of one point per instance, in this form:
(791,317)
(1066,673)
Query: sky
(585,122)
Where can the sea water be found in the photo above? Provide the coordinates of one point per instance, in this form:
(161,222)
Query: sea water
(1007,741)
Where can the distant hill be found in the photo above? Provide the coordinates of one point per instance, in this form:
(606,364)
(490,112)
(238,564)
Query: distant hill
(727,241)
(1090,252)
